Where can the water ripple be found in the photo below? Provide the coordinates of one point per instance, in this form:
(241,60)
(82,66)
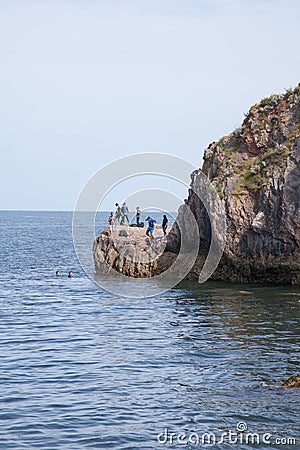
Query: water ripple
(81,369)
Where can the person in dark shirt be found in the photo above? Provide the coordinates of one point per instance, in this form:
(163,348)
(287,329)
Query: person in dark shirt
(164,224)
(111,221)
(118,213)
(124,213)
(138,215)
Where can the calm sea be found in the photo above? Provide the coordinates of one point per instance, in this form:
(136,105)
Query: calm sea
(83,369)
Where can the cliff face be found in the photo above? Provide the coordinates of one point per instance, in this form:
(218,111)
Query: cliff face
(256,172)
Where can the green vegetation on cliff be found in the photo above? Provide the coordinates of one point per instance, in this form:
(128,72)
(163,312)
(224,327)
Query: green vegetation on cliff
(249,155)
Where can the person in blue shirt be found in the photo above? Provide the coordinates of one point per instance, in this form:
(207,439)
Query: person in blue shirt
(151,226)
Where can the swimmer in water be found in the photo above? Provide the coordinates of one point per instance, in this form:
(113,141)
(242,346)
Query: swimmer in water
(57,273)
(70,274)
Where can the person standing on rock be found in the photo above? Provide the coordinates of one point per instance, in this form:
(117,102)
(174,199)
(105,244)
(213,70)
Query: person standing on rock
(124,212)
(164,224)
(118,213)
(111,222)
(151,226)
(138,216)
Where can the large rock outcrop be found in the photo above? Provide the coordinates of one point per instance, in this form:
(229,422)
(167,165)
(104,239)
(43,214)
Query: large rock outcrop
(256,172)
(132,253)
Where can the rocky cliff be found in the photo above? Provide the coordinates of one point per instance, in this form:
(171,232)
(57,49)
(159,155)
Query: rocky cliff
(256,172)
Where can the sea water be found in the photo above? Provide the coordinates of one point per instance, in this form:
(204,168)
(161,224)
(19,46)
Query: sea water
(84,369)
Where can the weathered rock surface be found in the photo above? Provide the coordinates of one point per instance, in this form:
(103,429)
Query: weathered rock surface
(256,172)
(134,255)
(292,382)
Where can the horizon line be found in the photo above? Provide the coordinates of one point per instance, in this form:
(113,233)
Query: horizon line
(69,210)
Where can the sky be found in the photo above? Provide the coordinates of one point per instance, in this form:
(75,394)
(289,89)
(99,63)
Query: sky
(84,82)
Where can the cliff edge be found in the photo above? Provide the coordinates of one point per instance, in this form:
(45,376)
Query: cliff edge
(256,172)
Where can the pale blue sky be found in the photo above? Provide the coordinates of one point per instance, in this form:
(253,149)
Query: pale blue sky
(84,82)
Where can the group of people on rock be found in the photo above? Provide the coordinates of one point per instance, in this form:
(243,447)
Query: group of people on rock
(121,215)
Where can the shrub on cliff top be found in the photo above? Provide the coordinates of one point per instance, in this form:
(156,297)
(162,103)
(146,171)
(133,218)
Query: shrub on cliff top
(292,91)
(270,102)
